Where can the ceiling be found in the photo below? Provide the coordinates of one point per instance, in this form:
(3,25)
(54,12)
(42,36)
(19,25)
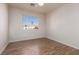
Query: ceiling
(48,7)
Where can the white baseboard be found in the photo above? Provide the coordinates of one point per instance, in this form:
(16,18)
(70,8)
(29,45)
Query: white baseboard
(23,39)
(2,49)
(65,43)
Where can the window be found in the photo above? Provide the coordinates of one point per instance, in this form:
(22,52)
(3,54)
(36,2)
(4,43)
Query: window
(30,22)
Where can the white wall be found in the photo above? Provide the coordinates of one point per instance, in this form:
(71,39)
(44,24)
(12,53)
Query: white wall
(3,26)
(63,25)
(16,32)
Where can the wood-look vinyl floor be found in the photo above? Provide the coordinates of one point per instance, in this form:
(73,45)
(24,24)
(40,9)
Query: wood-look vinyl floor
(40,46)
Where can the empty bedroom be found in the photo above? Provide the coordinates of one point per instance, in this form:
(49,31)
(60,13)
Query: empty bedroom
(39,29)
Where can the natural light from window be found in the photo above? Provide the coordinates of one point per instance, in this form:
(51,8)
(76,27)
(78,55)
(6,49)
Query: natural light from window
(30,22)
